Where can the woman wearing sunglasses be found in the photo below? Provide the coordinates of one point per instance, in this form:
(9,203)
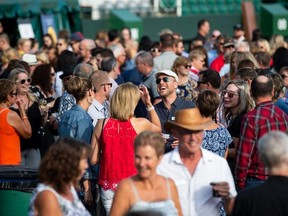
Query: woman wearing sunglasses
(11,124)
(29,147)
(236,102)
(186,84)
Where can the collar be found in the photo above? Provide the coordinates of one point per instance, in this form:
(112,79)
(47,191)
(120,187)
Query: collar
(175,156)
(175,103)
(97,105)
(265,103)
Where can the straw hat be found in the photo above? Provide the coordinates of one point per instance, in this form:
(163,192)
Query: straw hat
(190,119)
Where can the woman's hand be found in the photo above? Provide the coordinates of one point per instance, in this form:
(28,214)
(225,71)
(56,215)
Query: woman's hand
(145,97)
(20,103)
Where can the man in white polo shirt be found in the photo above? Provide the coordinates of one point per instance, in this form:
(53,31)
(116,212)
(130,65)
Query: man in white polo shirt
(202,178)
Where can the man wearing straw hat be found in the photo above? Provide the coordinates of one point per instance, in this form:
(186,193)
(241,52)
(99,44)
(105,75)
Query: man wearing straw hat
(202,178)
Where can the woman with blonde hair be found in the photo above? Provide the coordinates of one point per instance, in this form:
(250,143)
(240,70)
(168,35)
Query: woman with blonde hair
(114,137)
(264,45)
(147,190)
(186,84)
(277,41)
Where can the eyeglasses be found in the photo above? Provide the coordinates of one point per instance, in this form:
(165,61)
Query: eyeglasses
(109,84)
(230,46)
(165,79)
(230,94)
(52,74)
(154,50)
(59,44)
(13,93)
(23,81)
(188,66)
(283,76)
(201,82)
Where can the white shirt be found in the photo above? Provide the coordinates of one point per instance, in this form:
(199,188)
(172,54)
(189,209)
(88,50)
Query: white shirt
(58,85)
(195,192)
(97,111)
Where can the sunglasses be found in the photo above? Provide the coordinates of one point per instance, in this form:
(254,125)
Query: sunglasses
(52,74)
(188,66)
(59,44)
(165,79)
(154,50)
(104,84)
(23,81)
(13,93)
(201,82)
(229,93)
(283,76)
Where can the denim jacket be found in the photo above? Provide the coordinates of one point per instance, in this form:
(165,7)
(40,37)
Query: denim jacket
(77,123)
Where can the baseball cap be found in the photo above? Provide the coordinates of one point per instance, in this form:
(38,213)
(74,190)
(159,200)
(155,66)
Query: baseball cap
(168,73)
(238,27)
(228,42)
(76,36)
(30,59)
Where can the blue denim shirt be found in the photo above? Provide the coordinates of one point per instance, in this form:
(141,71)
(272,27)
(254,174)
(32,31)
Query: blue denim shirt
(77,123)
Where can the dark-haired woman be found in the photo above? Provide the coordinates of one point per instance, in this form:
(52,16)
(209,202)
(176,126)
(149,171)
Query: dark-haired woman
(60,170)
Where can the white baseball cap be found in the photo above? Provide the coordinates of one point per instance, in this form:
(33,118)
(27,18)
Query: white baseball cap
(168,73)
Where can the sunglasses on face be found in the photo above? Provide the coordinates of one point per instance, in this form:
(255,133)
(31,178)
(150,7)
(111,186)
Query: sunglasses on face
(109,84)
(188,66)
(23,81)
(59,44)
(13,93)
(154,50)
(283,76)
(165,79)
(52,74)
(201,82)
(230,94)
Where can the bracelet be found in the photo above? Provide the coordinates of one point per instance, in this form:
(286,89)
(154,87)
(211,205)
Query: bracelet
(25,117)
(150,108)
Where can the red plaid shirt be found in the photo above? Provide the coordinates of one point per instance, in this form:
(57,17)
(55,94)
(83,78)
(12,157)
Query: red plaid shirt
(264,118)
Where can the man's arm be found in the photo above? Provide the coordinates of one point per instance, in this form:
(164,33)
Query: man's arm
(244,151)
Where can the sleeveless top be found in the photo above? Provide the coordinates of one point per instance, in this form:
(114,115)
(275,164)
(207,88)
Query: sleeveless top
(165,207)
(68,208)
(117,159)
(10,153)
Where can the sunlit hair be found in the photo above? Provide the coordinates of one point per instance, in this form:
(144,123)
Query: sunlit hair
(13,75)
(265,44)
(246,55)
(208,102)
(274,157)
(6,87)
(149,138)
(124,101)
(98,78)
(245,101)
(276,41)
(180,61)
(60,165)
(78,87)
(8,55)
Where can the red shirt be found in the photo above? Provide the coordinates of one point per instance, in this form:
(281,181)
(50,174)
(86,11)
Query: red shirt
(256,123)
(117,160)
(218,63)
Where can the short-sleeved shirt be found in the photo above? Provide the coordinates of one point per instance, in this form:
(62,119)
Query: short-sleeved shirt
(168,115)
(195,192)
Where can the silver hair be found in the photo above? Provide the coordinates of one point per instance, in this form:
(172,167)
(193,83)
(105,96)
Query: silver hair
(83,70)
(273,149)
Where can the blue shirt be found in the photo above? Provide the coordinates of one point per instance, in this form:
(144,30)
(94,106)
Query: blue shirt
(168,115)
(76,123)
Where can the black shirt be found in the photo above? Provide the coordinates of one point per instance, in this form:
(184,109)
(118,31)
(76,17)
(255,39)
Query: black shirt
(168,115)
(270,198)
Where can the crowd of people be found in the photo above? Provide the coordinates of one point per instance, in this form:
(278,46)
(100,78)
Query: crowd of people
(116,126)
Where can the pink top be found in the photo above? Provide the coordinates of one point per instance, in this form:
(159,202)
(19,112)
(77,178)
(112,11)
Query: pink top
(117,159)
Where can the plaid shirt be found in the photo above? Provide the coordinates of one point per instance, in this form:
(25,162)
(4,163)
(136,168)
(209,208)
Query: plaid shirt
(264,118)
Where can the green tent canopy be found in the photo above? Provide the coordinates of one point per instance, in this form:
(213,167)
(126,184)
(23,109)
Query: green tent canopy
(28,8)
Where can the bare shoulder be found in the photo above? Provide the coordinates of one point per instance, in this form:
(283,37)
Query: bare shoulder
(45,195)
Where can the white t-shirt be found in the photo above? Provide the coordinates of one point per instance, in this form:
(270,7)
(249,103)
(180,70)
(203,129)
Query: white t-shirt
(195,192)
